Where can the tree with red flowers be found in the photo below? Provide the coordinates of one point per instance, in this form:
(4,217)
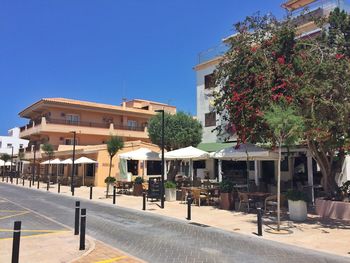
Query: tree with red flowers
(267,63)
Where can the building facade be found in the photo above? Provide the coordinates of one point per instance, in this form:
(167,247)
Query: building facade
(299,160)
(12,143)
(53,121)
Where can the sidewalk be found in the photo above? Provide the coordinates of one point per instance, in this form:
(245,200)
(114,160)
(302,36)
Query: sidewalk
(327,236)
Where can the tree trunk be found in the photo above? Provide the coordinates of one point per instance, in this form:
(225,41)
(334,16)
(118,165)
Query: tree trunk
(324,160)
(109,174)
(174,169)
(279,187)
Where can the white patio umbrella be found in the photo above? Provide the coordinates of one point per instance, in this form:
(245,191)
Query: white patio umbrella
(50,162)
(67,161)
(345,172)
(84,160)
(142,154)
(188,153)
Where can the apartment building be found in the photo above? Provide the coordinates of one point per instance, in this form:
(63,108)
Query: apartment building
(12,143)
(302,12)
(53,121)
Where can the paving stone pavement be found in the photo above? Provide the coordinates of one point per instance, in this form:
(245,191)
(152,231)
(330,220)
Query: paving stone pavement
(154,238)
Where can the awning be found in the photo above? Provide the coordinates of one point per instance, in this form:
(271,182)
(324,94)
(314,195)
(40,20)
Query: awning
(245,152)
(188,153)
(8,163)
(215,146)
(83,160)
(142,154)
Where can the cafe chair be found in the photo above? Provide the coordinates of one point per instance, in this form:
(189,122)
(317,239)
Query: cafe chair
(197,196)
(271,202)
(245,200)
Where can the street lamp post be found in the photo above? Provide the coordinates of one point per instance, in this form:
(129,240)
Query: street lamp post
(73,166)
(163,164)
(11,164)
(33,172)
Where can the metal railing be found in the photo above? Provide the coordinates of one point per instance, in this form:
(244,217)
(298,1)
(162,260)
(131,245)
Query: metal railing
(77,123)
(212,53)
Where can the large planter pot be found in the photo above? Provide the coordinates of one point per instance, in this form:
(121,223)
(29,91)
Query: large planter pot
(170,194)
(138,189)
(333,209)
(297,210)
(226,201)
(110,188)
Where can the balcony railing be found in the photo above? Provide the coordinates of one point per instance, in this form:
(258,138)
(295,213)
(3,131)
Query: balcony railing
(212,53)
(323,7)
(77,123)
(129,128)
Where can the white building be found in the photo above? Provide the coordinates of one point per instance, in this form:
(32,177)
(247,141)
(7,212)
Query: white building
(298,165)
(12,141)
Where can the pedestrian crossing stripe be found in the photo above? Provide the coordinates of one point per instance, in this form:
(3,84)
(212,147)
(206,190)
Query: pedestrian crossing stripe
(112,260)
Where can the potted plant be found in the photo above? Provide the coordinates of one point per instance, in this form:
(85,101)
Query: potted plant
(170,191)
(226,188)
(345,189)
(138,189)
(109,181)
(297,205)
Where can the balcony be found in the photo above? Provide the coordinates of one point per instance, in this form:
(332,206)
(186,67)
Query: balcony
(212,53)
(49,125)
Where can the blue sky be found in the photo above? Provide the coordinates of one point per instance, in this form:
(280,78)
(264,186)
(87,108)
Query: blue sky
(104,50)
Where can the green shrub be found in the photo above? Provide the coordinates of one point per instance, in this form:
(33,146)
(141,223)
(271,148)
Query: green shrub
(169,184)
(226,186)
(295,195)
(138,180)
(110,180)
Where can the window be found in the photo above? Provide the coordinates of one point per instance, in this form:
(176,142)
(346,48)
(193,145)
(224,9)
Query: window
(72,119)
(210,119)
(132,124)
(9,145)
(0,144)
(21,146)
(209,81)
(69,141)
(60,169)
(284,164)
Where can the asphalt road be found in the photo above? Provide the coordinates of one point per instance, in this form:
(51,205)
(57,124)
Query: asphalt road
(155,238)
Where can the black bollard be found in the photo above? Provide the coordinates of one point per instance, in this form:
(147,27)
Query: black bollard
(114,195)
(3,179)
(73,190)
(30,183)
(189,202)
(77,214)
(144,201)
(47,186)
(90,192)
(59,187)
(7,179)
(16,241)
(23,181)
(82,229)
(259,215)
(16,180)
(38,184)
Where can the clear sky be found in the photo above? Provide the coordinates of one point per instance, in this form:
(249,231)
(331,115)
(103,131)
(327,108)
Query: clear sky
(104,50)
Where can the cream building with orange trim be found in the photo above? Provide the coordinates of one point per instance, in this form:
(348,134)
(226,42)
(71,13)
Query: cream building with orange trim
(52,120)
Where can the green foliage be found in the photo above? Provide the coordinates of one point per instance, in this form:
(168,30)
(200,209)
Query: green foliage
(286,126)
(226,186)
(5,157)
(170,184)
(138,180)
(295,195)
(48,149)
(267,65)
(345,188)
(114,144)
(180,130)
(110,180)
